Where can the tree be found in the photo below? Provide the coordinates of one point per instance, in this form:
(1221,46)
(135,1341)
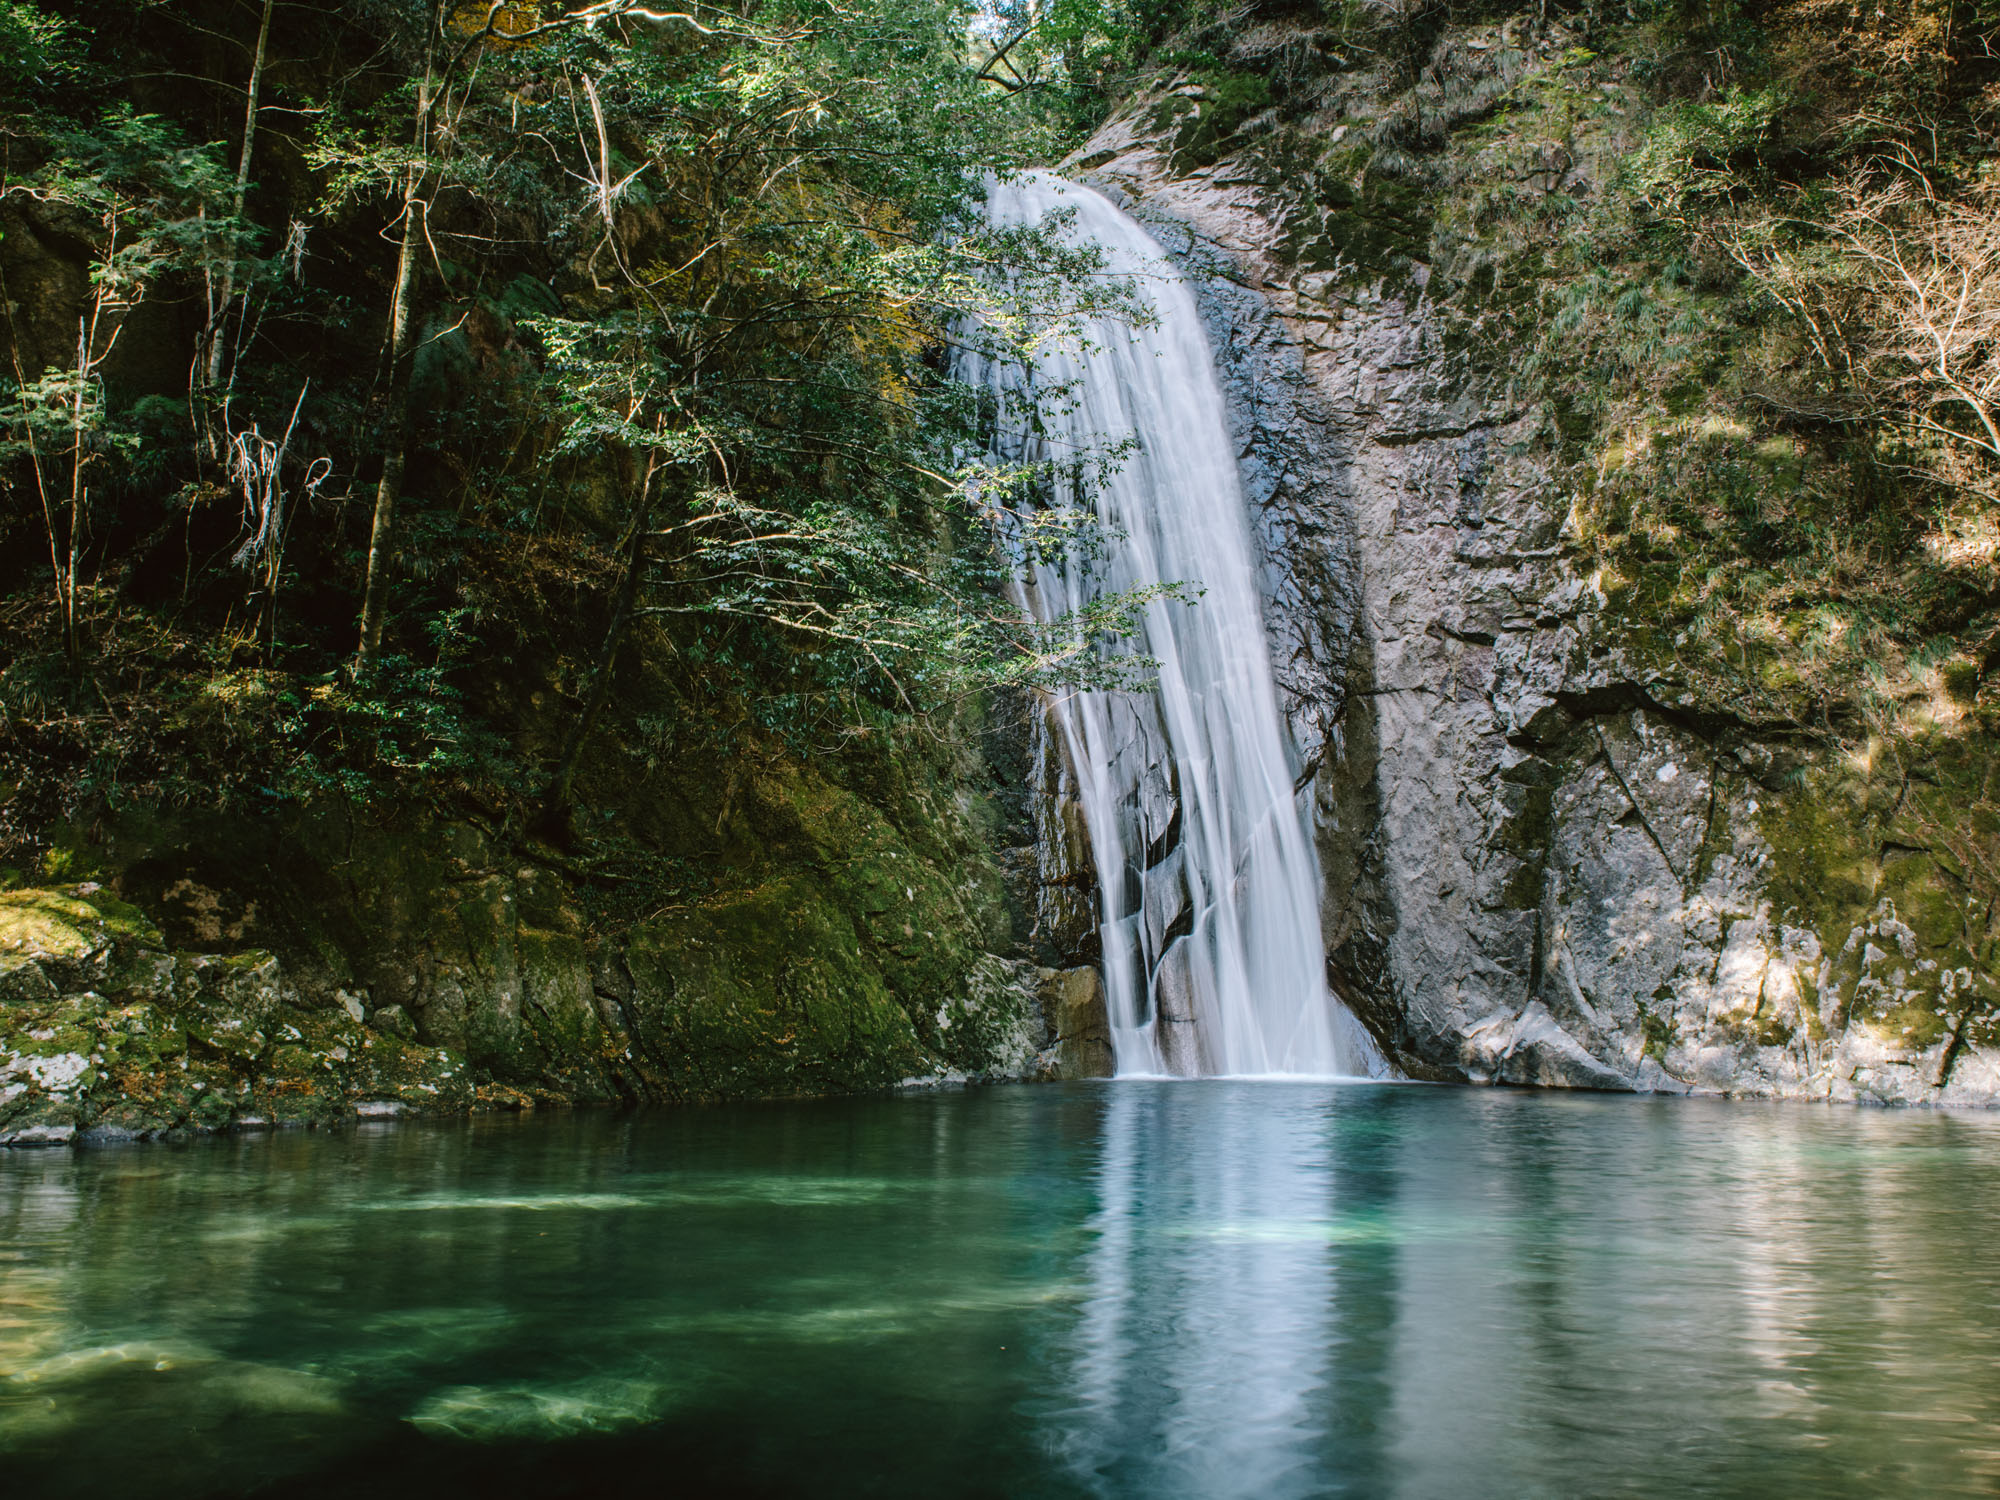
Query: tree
(156,206)
(768,220)
(1895,287)
(221,280)
(723,255)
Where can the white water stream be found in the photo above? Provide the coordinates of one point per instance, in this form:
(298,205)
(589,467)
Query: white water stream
(1209,881)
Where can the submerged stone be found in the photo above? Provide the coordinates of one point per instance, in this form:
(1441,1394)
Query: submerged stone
(527,1413)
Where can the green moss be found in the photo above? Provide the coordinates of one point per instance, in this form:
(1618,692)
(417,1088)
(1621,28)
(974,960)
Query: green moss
(421,1079)
(765,992)
(561,1043)
(1823,873)
(1960,678)
(1378,225)
(1657,1026)
(165,1043)
(1773,1030)
(1885,855)
(69,924)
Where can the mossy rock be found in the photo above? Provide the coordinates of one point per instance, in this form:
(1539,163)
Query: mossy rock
(69,924)
(764,992)
(1884,856)
(839,939)
(117,1038)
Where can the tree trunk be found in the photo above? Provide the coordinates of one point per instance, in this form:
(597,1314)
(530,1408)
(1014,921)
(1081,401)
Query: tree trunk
(396,429)
(78,498)
(219,312)
(34,450)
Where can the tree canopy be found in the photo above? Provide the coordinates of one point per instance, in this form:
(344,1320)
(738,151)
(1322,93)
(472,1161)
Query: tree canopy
(347,339)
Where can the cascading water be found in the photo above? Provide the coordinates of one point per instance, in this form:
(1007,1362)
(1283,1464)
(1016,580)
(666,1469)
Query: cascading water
(1209,882)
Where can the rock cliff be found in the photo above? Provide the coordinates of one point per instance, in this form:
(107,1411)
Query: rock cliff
(1549,858)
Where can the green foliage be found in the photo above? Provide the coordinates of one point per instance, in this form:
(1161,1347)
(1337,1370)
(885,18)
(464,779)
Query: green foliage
(1070,58)
(1706,149)
(1712,331)
(161,201)
(678,305)
(37,50)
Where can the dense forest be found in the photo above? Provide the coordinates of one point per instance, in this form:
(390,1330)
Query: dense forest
(369,363)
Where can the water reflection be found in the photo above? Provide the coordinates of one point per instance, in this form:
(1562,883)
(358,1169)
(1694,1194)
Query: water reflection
(1293,1290)
(1203,1339)
(1136,1289)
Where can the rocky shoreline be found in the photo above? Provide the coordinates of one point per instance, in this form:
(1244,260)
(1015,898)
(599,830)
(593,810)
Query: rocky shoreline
(107,1034)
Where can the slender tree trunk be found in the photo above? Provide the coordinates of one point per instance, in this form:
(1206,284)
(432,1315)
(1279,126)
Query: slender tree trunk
(34,449)
(219,312)
(555,805)
(78,497)
(396,430)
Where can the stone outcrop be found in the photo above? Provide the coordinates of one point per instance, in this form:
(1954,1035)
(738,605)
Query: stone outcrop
(1547,860)
(1079,1031)
(363,969)
(105,1034)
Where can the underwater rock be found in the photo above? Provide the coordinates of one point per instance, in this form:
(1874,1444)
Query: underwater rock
(194,1414)
(535,1413)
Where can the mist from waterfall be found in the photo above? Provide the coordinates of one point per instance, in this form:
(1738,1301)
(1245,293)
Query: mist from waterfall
(1209,882)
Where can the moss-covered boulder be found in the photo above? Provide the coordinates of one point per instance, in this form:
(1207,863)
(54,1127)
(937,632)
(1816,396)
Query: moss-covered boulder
(106,1033)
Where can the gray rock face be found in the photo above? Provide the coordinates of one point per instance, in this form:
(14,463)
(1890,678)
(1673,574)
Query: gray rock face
(1542,862)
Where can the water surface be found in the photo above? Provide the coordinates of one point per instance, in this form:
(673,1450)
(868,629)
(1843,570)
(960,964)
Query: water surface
(1127,1289)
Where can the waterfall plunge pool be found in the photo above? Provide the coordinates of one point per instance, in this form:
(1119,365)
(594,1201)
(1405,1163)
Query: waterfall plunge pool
(1135,1288)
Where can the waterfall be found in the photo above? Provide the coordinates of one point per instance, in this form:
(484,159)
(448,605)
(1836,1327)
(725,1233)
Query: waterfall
(1209,884)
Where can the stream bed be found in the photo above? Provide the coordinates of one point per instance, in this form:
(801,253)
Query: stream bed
(1127,1289)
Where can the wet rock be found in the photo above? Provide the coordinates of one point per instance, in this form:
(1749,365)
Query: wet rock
(25,982)
(1166,905)
(394,1020)
(1078,1026)
(37,1135)
(1534,1049)
(157,1042)
(1176,1013)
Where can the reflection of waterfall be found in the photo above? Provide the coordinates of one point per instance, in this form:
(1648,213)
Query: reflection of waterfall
(1210,886)
(1199,1361)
